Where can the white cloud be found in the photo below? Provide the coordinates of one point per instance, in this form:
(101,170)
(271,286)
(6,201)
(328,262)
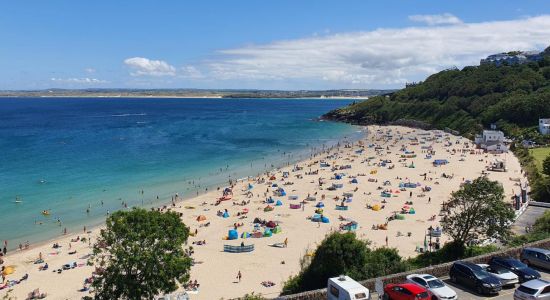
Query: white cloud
(442,19)
(383,57)
(146,67)
(89,70)
(191,72)
(85,80)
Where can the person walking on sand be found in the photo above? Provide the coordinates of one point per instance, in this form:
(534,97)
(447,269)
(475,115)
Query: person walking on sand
(286,242)
(386,241)
(239,276)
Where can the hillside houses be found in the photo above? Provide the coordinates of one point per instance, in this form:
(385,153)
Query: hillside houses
(512,58)
(544,126)
(492,141)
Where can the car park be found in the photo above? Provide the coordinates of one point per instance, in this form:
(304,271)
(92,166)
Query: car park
(536,289)
(536,257)
(517,267)
(474,277)
(437,287)
(506,277)
(406,291)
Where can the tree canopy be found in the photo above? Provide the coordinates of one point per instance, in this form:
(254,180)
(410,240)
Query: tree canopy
(477,211)
(344,254)
(140,255)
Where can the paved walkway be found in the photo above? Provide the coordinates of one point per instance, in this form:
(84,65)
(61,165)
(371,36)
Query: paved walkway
(527,219)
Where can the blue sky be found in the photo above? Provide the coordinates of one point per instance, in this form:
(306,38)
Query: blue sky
(255,44)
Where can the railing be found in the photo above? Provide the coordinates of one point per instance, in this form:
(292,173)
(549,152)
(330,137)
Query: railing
(539,204)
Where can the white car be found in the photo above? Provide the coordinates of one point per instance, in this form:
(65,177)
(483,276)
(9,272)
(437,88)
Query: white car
(505,276)
(437,287)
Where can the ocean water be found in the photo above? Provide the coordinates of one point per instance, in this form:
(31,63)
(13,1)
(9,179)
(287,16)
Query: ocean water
(66,155)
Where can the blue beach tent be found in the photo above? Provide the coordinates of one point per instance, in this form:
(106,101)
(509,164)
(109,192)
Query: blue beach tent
(232,234)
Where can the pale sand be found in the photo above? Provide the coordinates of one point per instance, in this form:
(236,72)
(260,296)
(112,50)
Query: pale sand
(216,271)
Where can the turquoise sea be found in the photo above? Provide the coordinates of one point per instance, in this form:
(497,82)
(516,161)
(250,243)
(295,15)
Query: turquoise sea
(65,155)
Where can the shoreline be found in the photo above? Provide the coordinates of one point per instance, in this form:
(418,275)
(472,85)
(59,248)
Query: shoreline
(297,156)
(113,97)
(264,263)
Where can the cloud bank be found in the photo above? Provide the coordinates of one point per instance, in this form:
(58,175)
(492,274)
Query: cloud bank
(383,57)
(386,57)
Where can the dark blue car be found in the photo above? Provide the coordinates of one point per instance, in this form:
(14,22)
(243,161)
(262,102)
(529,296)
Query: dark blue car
(515,266)
(474,277)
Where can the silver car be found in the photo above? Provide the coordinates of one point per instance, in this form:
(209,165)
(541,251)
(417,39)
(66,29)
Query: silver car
(536,289)
(536,257)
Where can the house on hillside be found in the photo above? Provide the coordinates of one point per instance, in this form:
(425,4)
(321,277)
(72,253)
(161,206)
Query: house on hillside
(512,58)
(544,126)
(492,141)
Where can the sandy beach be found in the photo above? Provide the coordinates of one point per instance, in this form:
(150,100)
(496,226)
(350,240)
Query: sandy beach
(389,160)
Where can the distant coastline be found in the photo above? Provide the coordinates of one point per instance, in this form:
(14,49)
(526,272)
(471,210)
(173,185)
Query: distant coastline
(192,93)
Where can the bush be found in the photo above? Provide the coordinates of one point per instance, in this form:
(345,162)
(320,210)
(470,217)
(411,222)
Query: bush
(344,254)
(449,252)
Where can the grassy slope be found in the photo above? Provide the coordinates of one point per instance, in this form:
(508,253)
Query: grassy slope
(540,154)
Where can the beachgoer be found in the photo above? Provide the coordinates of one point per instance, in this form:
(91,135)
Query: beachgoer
(239,276)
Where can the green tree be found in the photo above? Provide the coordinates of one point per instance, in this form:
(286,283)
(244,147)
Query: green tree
(343,253)
(140,255)
(476,211)
(546,166)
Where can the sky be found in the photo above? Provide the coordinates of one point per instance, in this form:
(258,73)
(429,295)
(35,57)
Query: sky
(253,44)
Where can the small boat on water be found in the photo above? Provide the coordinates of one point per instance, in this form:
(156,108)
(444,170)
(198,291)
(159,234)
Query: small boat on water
(46,212)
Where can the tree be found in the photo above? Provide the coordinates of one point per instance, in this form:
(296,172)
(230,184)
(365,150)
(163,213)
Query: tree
(476,211)
(344,254)
(140,255)
(546,166)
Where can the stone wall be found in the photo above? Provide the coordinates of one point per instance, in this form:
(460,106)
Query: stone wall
(441,270)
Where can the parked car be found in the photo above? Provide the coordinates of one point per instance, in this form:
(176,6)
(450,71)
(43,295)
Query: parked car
(506,277)
(405,291)
(474,277)
(437,287)
(517,267)
(536,289)
(536,257)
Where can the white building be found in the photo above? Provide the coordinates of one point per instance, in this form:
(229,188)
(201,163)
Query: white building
(492,141)
(544,126)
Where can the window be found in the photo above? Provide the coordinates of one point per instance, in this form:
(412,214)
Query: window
(419,281)
(334,291)
(406,292)
(527,290)
(360,296)
(422,295)
(546,290)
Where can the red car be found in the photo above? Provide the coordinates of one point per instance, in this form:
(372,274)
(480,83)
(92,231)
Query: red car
(405,291)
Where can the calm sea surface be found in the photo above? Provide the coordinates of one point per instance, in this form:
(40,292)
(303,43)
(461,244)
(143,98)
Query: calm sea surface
(65,155)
